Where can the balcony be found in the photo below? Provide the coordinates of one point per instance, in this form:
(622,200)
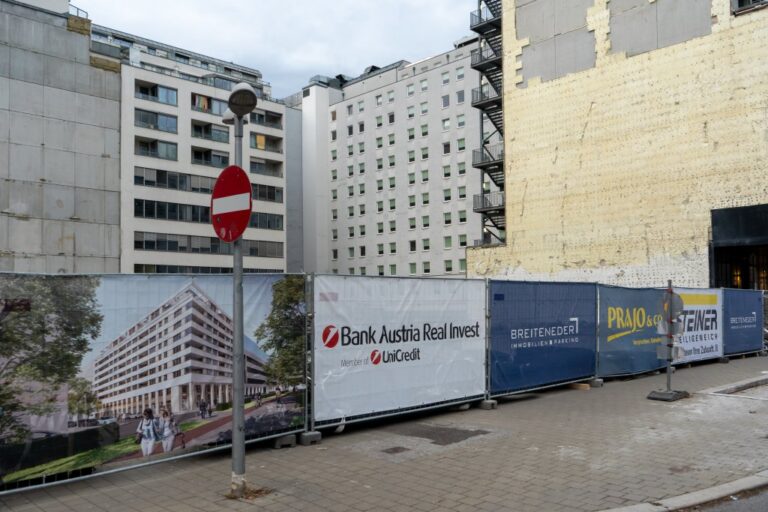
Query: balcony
(210,158)
(483,21)
(274,170)
(485,59)
(485,96)
(210,132)
(488,202)
(488,156)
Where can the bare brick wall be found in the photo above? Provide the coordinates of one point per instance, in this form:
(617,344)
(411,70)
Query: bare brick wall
(612,172)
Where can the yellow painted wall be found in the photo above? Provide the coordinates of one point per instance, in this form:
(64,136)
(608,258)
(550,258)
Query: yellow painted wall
(611,173)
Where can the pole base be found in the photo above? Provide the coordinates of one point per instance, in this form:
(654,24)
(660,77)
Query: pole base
(668,396)
(237,487)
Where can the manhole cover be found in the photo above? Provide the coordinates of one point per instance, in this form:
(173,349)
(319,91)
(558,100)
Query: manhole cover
(396,449)
(441,436)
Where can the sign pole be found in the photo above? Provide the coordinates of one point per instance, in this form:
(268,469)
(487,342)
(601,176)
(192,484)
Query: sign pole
(238,349)
(670,336)
(672,307)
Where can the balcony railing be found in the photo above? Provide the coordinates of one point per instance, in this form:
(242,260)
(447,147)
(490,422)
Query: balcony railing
(488,201)
(482,56)
(481,16)
(266,170)
(214,136)
(488,155)
(484,93)
(211,163)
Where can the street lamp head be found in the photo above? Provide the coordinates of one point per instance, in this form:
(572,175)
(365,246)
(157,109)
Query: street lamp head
(228,117)
(242,99)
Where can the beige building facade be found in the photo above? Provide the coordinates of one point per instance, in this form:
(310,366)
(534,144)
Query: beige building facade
(635,132)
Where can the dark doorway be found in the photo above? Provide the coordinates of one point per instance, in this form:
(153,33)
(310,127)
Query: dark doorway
(740,247)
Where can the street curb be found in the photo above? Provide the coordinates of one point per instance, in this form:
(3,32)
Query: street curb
(699,497)
(735,387)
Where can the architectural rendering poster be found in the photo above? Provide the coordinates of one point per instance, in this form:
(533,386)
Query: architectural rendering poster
(702,319)
(743,329)
(541,334)
(99,373)
(383,345)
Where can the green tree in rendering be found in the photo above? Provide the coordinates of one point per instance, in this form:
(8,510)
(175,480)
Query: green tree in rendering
(282,333)
(81,400)
(46,325)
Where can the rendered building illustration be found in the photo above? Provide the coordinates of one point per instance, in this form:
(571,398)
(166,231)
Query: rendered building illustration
(175,357)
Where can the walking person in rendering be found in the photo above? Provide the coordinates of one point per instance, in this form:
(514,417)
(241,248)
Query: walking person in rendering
(203,409)
(168,431)
(148,432)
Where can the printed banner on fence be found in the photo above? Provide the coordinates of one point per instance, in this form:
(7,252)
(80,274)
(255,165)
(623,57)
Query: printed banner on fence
(743,331)
(108,371)
(541,334)
(702,321)
(387,344)
(628,340)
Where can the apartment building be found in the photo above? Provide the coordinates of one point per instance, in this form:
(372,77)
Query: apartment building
(636,142)
(59,143)
(174,145)
(175,357)
(388,185)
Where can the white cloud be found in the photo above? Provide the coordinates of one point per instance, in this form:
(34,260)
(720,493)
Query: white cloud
(292,40)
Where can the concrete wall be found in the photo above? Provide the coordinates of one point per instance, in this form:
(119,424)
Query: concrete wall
(59,148)
(612,172)
(294,192)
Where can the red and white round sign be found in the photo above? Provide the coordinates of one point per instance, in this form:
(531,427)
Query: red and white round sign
(231,204)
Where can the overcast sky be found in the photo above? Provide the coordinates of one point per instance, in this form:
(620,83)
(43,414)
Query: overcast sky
(291,40)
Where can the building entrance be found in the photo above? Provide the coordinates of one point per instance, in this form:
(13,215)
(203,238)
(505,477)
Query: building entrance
(739,256)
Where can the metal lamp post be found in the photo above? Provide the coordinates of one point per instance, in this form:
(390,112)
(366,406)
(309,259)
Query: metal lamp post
(242,101)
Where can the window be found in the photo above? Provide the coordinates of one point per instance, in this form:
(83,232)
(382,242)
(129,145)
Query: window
(424,108)
(425,175)
(446,171)
(460,97)
(462,240)
(379,227)
(379,164)
(350,150)
(424,153)
(391,117)
(334,214)
(392,204)
(380,270)
(350,170)
(350,191)
(411,178)
(361,147)
(361,106)
(424,130)
(334,194)
(446,99)
(351,232)
(349,110)
(379,185)
(350,211)
(392,270)
(447,242)
(411,200)
(361,251)
(462,168)
(460,121)
(333,135)
(379,121)
(425,244)
(412,269)
(362,271)
(334,175)
(379,206)
(425,198)
(334,234)
(392,226)
(379,100)
(409,89)
(361,227)
(391,96)
(461,144)
(448,266)
(333,116)
(393,248)
(391,182)
(412,223)
(446,78)
(391,139)
(361,168)
(350,130)
(446,148)
(411,156)
(460,73)
(156,93)
(446,124)
(361,127)
(334,155)
(412,245)
(424,85)
(351,252)
(462,192)
(334,254)
(155,121)
(361,209)
(447,218)
(462,265)
(411,133)
(446,194)
(391,160)
(462,216)
(380,249)
(425,221)
(425,267)
(411,112)
(379,142)
(156,148)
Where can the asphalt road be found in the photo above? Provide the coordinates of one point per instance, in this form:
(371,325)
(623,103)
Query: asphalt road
(756,503)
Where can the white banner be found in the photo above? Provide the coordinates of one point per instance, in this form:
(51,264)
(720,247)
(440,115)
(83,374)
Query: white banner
(384,344)
(702,320)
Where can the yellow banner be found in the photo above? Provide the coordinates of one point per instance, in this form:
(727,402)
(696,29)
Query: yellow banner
(691,299)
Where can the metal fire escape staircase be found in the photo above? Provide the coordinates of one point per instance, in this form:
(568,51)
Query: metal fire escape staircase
(489,158)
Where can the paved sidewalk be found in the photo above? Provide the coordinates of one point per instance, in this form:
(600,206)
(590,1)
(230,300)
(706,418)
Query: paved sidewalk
(562,450)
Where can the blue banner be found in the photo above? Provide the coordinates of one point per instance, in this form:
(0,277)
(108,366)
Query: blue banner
(541,334)
(743,329)
(628,340)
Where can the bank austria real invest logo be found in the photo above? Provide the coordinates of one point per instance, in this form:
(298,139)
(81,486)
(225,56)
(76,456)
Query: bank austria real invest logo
(333,336)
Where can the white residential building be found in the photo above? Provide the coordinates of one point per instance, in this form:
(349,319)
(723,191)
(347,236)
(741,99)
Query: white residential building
(174,146)
(387,169)
(175,357)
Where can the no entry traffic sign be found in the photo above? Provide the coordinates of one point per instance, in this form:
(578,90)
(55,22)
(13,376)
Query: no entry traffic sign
(231,203)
